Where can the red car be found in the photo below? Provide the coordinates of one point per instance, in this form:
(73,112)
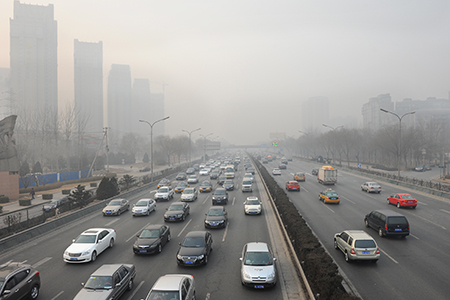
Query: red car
(402,200)
(293,186)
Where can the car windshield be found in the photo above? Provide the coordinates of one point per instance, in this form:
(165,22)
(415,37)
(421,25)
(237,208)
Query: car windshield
(160,295)
(293,183)
(397,221)
(114,203)
(206,184)
(175,207)
(215,212)
(142,203)
(163,190)
(365,244)
(85,239)
(188,191)
(220,192)
(193,177)
(228,182)
(331,194)
(149,233)
(407,197)
(247,182)
(252,202)
(182,184)
(193,242)
(99,282)
(258,259)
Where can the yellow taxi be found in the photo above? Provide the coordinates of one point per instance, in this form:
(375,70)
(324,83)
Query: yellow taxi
(181,186)
(329,196)
(300,176)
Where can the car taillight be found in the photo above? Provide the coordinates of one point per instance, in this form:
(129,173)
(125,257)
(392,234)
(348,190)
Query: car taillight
(353,251)
(385,227)
(378,250)
(371,187)
(36,273)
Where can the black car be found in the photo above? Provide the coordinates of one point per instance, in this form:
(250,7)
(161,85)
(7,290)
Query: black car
(315,172)
(195,249)
(228,185)
(221,179)
(216,217)
(145,169)
(181,176)
(387,223)
(220,196)
(151,239)
(214,175)
(55,203)
(19,281)
(177,211)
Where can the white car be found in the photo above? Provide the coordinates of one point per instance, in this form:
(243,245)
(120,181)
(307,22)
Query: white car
(204,172)
(164,193)
(143,207)
(248,176)
(89,244)
(371,187)
(276,171)
(189,194)
(258,266)
(192,179)
(252,206)
(173,286)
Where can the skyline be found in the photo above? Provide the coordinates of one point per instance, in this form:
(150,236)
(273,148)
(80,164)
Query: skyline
(222,60)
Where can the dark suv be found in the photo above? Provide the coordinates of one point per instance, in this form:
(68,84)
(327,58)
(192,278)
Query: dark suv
(19,281)
(220,196)
(387,223)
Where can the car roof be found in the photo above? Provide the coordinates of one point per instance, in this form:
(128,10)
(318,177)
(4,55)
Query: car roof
(9,267)
(94,230)
(359,234)
(217,208)
(144,199)
(389,213)
(169,282)
(293,182)
(106,270)
(257,247)
(252,198)
(196,234)
(153,226)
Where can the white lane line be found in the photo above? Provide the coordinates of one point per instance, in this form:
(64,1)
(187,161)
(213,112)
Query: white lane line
(41,262)
(389,256)
(133,236)
(326,205)
(302,188)
(348,199)
(206,199)
(234,200)
(208,296)
(57,295)
(136,290)
(426,220)
(414,236)
(112,222)
(185,226)
(422,203)
(225,233)
(446,211)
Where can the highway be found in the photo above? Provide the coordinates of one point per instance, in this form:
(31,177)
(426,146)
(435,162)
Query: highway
(220,279)
(412,268)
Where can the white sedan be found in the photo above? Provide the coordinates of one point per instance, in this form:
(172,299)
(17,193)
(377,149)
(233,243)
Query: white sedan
(371,187)
(143,207)
(89,244)
(276,171)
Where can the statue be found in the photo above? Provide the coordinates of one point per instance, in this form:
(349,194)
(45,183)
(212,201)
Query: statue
(8,152)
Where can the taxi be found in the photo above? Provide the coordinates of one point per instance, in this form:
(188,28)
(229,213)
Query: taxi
(206,186)
(300,176)
(293,186)
(181,186)
(164,182)
(329,196)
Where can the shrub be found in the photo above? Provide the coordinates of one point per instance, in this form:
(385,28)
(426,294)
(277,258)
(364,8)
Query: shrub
(93,184)
(107,188)
(47,196)
(25,202)
(4,199)
(65,192)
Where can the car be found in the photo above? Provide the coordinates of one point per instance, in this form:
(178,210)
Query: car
(387,223)
(282,167)
(428,168)
(173,286)
(164,193)
(264,161)
(284,160)
(164,182)
(145,169)
(300,176)
(116,207)
(402,200)
(258,268)
(329,196)
(252,206)
(247,185)
(181,186)
(143,207)
(214,174)
(276,171)
(19,281)
(248,175)
(192,179)
(216,217)
(195,249)
(293,186)
(420,169)
(89,244)
(251,170)
(152,239)
(315,172)
(289,159)
(371,187)
(206,186)
(190,171)
(189,194)
(177,211)
(221,179)
(220,196)
(196,167)
(181,176)
(55,203)
(110,281)
(204,172)
(228,185)
(357,245)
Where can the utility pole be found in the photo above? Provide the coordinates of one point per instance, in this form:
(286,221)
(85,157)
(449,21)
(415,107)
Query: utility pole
(105,131)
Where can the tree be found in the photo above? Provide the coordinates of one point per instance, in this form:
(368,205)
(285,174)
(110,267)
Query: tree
(79,197)
(107,188)
(128,180)
(146,159)
(24,169)
(37,168)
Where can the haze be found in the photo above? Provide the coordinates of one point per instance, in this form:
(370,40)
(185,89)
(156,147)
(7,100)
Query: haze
(241,69)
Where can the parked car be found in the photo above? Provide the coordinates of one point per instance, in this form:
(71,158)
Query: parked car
(145,169)
(206,186)
(329,196)
(258,268)
(181,186)
(116,207)
(276,171)
(357,245)
(192,179)
(19,281)
(216,217)
(55,203)
(173,286)
(220,196)
(387,223)
(299,176)
(293,186)
(143,207)
(152,239)
(195,249)
(108,282)
(189,194)
(177,211)
(402,200)
(164,193)
(89,244)
(371,187)
(252,206)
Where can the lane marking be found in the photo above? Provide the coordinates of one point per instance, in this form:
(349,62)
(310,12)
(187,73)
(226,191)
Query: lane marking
(41,262)
(426,220)
(348,199)
(225,233)
(136,290)
(133,236)
(206,199)
(112,222)
(208,296)
(422,203)
(389,256)
(326,205)
(414,236)
(57,295)
(446,211)
(185,226)
(234,200)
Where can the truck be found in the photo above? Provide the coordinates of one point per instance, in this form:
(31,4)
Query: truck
(327,175)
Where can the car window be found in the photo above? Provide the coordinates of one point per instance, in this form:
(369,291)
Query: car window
(116,278)
(350,241)
(21,276)
(123,272)
(10,284)
(407,197)
(86,238)
(365,244)
(397,221)
(344,236)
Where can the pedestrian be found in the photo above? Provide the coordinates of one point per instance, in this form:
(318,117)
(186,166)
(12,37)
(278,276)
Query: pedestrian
(32,193)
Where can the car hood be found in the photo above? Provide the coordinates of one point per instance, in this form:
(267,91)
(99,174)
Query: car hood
(252,206)
(187,196)
(191,251)
(112,207)
(79,247)
(205,187)
(86,294)
(151,241)
(161,194)
(215,218)
(261,271)
(173,212)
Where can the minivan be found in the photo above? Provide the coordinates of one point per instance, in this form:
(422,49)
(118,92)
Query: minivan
(387,223)
(247,185)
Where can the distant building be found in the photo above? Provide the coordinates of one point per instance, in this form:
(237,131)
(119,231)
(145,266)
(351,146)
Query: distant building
(33,50)
(119,100)
(314,111)
(88,82)
(373,117)
(6,96)
(426,111)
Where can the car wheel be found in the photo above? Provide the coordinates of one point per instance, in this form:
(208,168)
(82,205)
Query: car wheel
(366,223)
(193,296)
(347,258)
(398,205)
(34,292)
(94,256)
(183,218)
(168,238)
(380,232)
(159,248)
(119,212)
(335,245)
(206,259)
(111,243)
(375,261)
(130,285)
(388,202)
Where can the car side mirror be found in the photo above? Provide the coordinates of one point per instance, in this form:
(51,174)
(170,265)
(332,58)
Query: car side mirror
(240,258)
(73,241)
(82,283)
(118,284)
(6,292)
(274,259)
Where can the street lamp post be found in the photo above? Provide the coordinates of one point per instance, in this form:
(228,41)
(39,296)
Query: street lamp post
(334,141)
(151,142)
(190,132)
(204,145)
(400,134)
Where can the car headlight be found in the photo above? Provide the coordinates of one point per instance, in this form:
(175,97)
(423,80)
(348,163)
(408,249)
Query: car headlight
(179,256)
(179,215)
(200,256)
(86,252)
(271,276)
(246,275)
(66,252)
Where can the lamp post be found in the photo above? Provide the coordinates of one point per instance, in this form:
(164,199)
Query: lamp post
(151,142)
(400,134)
(334,141)
(190,132)
(204,145)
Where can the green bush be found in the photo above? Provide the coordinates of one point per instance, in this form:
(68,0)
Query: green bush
(65,192)
(4,199)
(93,184)
(1,209)
(47,196)
(25,202)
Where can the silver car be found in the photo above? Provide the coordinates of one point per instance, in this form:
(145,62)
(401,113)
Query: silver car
(143,207)
(258,268)
(116,207)
(173,286)
(189,194)
(371,187)
(357,245)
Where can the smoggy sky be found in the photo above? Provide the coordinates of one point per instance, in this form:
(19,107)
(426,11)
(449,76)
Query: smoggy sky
(241,69)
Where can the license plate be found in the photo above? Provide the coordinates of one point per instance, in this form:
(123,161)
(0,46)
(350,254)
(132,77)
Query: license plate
(213,224)
(410,202)
(189,262)
(137,213)
(73,258)
(143,251)
(259,286)
(171,219)
(108,213)
(218,201)
(366,252)
(398,229)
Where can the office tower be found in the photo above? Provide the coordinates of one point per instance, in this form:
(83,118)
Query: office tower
(373,117)
(6,96)
(119,102)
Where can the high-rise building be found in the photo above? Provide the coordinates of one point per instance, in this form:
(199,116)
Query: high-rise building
(373,117)
(6,96)
(88,80)
(119,101)
(315,112)
(33,54)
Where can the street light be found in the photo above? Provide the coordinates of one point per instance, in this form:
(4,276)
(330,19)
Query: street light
(190,132)
(204,145)
(400,139)
(334,142)
(151,142)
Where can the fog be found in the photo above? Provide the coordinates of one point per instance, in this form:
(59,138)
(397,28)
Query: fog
(241,69)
